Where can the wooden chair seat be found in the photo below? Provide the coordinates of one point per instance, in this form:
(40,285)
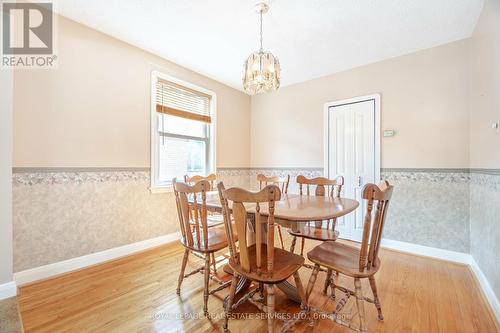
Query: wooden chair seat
(341,258)
(217,240)
(285,264)
(313,232)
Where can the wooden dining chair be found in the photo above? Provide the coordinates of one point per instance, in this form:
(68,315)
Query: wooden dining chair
(317,230)
(260,262)
(282,183)
(197,237)
(353,262)
(213,219)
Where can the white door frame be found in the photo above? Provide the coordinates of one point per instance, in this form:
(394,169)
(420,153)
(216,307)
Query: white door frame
(326,131)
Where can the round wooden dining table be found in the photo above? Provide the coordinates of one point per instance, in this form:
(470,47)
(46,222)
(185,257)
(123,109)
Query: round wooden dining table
(290,212)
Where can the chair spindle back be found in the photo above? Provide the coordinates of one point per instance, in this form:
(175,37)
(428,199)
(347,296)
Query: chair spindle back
(237,198)
(282,183)
(198,210)
(370,244)
(211,178)
(324,186)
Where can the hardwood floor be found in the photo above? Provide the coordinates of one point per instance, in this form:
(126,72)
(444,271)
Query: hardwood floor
(137,294)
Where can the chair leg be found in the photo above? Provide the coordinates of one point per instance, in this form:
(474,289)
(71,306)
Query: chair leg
(270,308)
(300,290)
(292,247)
(281,237)
(360,304)
(312,281)
(229,304)
(302,246)
(327,280)
(214,263)
(334,282)
(375,297)
(205,286)
(183,268)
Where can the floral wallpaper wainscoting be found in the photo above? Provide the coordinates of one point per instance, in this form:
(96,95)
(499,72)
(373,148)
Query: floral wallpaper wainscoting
(429,207)
(484,222)
(62,214)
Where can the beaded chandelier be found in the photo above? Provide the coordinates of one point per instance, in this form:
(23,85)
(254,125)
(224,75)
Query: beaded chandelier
(261,69)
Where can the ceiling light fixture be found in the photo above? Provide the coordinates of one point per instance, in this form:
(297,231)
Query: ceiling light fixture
(261,69)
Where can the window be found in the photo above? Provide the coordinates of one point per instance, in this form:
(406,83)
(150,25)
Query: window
(182,123)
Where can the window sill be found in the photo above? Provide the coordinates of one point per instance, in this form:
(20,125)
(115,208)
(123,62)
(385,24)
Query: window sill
(161,189)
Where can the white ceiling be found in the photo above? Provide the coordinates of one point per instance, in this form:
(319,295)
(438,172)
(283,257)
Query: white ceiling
(312,38)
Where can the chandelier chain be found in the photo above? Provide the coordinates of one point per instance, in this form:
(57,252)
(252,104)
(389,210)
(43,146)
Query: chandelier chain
(261,34)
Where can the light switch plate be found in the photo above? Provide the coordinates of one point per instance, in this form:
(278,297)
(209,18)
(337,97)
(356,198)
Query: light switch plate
(389,133)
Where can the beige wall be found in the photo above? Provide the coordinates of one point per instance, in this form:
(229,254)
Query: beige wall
(6,86)
(94,110)
(424,98)
(424,92)
(484,95)
(484,106)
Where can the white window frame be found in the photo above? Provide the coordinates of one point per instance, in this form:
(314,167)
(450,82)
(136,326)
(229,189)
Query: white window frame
(156,186)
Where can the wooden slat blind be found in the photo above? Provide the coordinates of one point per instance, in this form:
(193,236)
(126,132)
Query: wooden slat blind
(179,101)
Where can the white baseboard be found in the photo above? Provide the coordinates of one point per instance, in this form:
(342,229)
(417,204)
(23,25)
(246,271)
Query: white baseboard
(458,257)
(486,287)
(8,290)
(427,251)
(61,267)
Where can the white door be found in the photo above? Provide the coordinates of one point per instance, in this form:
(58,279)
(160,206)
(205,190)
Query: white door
(352,151)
